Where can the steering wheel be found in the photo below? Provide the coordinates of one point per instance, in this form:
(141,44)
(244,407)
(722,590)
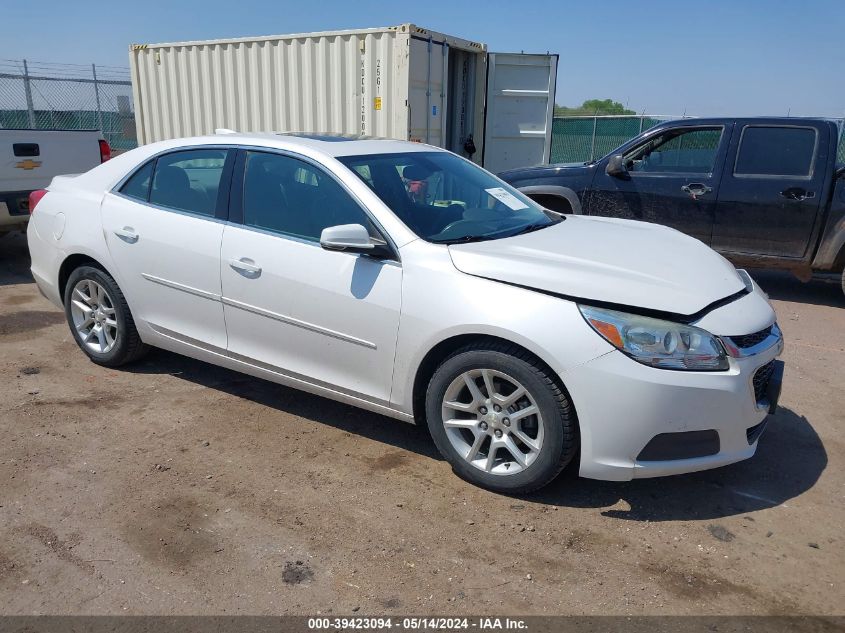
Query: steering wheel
(452,225)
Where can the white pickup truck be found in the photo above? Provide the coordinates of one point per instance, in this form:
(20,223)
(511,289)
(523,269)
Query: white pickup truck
(30,158)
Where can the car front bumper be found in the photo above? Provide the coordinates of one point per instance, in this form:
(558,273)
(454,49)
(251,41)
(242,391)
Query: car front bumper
(638,421)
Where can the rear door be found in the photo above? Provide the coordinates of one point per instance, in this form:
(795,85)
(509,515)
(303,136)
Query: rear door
(672,178)
(771,190)
(520,106)
(163,227)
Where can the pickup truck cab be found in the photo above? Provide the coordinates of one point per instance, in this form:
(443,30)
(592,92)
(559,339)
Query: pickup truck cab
(764,192)
(30,158)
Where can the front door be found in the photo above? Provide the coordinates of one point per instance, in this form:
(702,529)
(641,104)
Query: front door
(163,232)
(770,196)
(671,178)
(326,317)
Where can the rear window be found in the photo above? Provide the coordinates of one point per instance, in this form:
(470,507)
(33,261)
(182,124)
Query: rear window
(776,151)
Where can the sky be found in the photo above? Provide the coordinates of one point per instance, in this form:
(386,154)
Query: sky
(721,57)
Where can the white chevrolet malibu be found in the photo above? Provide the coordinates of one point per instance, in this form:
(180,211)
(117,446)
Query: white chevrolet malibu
(403,279)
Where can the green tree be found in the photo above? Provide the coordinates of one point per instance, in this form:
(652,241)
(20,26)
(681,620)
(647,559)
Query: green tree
(593,106)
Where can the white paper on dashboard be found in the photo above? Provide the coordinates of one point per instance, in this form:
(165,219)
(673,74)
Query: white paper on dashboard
(506,197)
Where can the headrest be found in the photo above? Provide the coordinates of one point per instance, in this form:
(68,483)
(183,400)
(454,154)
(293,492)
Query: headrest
(171,177)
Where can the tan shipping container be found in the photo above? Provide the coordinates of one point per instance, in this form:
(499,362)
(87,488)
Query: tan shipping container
(381,82)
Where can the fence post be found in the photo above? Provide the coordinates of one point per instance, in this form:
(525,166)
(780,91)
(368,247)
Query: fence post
(27,87)
(593,144)
(641,124)
(97,96)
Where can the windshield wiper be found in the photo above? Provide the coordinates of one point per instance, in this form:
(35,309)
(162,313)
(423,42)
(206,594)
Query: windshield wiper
(466,239)
(530,228)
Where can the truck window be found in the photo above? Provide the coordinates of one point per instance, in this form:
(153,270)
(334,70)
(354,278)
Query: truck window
(678,151)
(776,151)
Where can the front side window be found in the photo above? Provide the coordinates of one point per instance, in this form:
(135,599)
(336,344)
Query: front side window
(286,195)
(445,199)
(776,151)
(679,151)
(188,180)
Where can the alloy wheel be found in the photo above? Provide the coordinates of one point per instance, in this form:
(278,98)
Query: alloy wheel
(94,318)
(492,421)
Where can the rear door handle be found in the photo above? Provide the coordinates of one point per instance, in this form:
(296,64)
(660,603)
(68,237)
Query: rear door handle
(127,234)
(797,193)
(695,189)
(245,266)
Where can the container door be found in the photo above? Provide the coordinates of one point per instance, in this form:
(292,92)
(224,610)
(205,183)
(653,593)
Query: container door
(427,91)
(520,106)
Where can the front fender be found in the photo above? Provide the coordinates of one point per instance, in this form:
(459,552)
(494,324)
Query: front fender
(555,190)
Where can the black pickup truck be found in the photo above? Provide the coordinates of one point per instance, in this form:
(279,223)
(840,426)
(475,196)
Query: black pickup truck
(764,192)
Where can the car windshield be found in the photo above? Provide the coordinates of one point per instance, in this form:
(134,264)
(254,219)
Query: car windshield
(446,199)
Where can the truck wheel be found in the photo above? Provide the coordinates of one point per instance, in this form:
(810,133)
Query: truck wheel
(500,418)
(99,318)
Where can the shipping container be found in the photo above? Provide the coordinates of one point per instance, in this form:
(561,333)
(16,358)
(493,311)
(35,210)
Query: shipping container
(401,82)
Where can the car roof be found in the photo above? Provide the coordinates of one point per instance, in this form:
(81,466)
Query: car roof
(325,144)
(315,146)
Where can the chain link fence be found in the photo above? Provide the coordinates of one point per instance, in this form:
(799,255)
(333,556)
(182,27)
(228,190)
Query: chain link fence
(47,96)
(50,96)
(578,139)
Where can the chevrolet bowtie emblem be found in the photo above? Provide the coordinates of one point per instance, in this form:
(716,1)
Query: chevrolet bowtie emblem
(28,164)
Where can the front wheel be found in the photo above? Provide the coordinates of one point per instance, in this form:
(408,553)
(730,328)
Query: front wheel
(500,418)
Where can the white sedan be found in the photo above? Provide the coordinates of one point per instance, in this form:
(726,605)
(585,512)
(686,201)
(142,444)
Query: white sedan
(403,279)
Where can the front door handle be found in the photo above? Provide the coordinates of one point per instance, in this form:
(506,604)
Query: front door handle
(695,189)
(797,193)
(127,234)
(245,266)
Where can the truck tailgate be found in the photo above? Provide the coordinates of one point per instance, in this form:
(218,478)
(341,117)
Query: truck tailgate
(30,158)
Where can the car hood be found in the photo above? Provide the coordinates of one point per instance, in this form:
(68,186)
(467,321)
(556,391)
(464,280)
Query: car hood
(607,260)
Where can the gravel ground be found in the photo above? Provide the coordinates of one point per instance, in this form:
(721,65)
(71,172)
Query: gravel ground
(175,487)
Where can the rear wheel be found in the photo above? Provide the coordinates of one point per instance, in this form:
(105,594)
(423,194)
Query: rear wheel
(501,420)
(99,318)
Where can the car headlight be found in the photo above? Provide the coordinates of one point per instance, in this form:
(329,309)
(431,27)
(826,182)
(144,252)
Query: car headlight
(658,343)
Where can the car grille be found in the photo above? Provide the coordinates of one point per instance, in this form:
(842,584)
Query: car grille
(750,340)
(761,380)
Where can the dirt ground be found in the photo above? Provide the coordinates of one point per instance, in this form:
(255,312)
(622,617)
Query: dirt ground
(175,487)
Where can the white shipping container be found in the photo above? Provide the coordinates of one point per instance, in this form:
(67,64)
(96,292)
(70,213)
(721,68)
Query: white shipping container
(402,82)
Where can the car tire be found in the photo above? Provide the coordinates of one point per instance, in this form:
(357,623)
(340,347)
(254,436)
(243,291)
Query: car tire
(842,279)
(550,434)
(100,319)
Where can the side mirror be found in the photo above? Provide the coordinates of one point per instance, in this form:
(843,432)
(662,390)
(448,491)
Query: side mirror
(616,166)
(352,238)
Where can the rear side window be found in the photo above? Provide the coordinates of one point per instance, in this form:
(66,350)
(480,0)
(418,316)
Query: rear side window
(138,186)
(776,151)
(189,180)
